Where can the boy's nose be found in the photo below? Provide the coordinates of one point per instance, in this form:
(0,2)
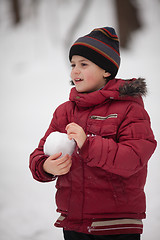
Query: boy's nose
(76,70)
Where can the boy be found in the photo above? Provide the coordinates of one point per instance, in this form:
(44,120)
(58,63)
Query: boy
(100,188)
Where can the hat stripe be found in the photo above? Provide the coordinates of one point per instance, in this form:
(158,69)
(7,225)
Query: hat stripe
(107,33)
(113,35)
(99,51)
(104,43)
(101,48)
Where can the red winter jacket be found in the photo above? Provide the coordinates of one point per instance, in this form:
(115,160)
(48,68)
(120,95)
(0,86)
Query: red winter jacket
(108,173)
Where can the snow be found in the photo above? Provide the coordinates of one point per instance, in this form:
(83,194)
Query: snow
(58,142)
(35,80)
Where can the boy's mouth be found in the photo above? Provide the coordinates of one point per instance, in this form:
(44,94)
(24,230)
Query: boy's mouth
(78,80)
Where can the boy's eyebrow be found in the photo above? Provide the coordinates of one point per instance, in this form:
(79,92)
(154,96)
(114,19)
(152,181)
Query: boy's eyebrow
(79,60)
(83,60)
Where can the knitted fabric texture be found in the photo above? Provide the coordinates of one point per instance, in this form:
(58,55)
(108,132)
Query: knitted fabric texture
(101,46)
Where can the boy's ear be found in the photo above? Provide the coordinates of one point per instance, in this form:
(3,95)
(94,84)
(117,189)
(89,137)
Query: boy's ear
(106,74)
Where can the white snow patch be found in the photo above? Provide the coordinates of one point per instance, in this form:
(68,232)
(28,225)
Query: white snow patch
(58,142)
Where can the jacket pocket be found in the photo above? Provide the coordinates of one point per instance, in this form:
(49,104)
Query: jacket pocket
(101,128)
(105,126)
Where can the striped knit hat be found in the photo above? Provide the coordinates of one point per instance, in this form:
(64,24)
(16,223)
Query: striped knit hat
(101,46)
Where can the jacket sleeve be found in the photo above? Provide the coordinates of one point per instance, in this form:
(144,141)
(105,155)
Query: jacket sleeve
(37,157)
(130,153)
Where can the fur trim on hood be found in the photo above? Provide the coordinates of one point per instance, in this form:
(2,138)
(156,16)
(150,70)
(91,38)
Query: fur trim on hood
(133,87)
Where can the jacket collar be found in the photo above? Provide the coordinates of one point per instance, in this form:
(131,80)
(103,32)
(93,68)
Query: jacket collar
(112,90)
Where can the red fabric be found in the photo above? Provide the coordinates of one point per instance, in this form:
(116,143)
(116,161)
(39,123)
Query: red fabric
(108,174)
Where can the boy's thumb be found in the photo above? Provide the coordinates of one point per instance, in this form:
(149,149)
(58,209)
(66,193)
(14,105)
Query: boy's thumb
(56,155)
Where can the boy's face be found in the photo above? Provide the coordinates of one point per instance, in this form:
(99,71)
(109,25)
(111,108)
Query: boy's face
(86,75)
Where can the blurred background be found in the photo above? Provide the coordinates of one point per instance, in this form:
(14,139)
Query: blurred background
(35,36)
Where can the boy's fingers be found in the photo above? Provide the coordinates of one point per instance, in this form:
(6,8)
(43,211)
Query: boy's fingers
(63,159)
(71,125)
(71,136)
(55,156)
(65,165)
(65,169)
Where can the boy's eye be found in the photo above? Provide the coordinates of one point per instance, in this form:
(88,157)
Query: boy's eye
(73,65)
(84,64)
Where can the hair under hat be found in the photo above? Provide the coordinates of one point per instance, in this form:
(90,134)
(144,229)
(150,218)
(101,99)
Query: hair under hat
(100,46)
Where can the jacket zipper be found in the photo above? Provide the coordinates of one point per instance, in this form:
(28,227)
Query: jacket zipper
(115,115)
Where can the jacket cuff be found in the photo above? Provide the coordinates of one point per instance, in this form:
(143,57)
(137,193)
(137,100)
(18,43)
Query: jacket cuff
(44,175)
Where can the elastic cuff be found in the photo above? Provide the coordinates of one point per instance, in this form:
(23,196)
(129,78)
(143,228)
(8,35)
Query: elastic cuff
(45,175)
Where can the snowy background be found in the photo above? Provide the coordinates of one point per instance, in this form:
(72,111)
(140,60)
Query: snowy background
(34,80)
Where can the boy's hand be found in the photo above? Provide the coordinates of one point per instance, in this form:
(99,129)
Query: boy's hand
(58,166)
(77,133)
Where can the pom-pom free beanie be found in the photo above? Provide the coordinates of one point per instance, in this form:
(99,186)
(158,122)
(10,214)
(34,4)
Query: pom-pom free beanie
(101,46)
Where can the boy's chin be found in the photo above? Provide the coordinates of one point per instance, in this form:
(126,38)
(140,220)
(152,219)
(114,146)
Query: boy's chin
(81,90)
(84,90)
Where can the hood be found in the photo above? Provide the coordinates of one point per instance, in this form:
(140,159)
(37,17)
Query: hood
(133,87)
(116,89)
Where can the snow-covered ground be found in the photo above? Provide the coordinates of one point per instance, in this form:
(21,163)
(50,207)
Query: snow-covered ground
(34,78)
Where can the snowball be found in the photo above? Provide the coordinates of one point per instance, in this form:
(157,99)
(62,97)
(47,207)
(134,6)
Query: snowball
(58,142)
